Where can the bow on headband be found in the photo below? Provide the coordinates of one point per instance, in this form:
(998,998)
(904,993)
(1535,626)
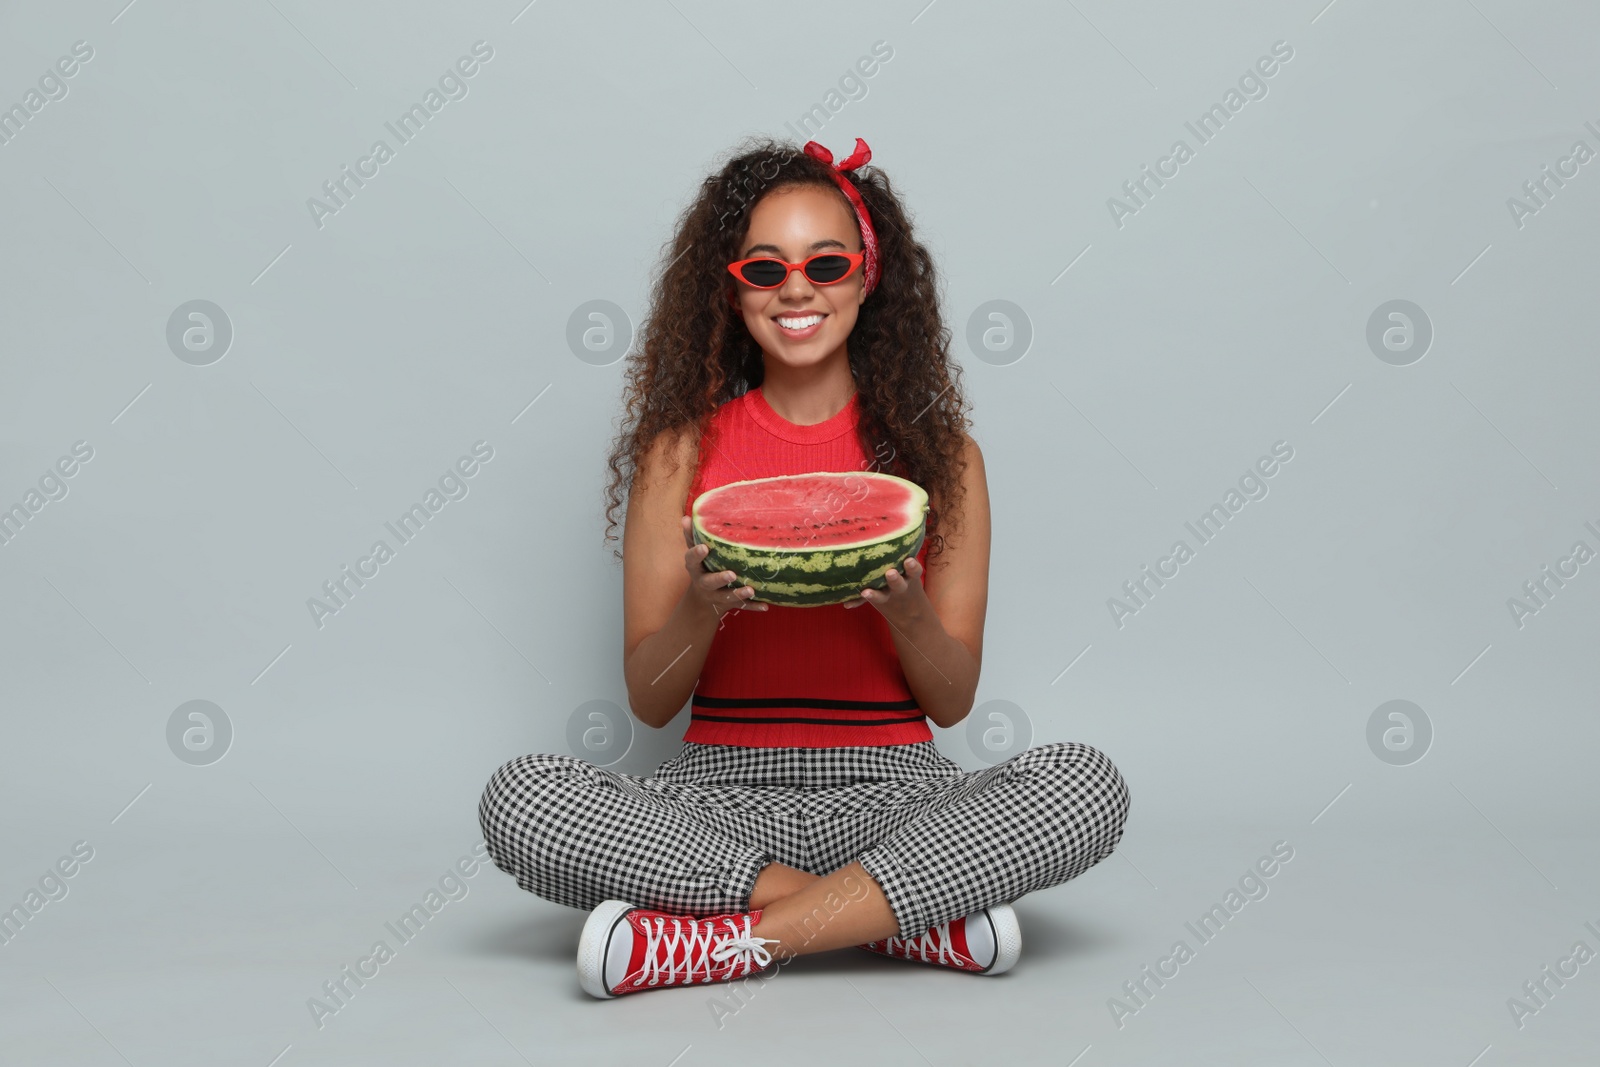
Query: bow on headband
(869,237)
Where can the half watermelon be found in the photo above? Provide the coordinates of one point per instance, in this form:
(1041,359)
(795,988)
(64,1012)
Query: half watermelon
(810,540)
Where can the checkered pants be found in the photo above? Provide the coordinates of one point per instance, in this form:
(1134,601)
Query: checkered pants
(690,840)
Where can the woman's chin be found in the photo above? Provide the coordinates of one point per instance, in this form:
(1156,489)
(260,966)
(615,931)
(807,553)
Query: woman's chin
(790,358)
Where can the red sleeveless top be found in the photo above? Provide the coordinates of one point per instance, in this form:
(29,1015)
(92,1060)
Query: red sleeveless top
(820,677)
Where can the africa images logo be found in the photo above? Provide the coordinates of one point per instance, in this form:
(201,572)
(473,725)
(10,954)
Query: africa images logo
(452,86)
(453,485)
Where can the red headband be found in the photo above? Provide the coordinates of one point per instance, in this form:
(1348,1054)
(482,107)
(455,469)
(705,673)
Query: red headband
(869,238)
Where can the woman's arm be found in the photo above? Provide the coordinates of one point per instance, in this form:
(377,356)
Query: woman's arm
(667,631)
(939,634)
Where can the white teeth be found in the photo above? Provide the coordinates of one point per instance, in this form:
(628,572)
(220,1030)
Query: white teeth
(799,324)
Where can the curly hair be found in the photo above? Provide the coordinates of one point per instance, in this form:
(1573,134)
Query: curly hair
(694,352)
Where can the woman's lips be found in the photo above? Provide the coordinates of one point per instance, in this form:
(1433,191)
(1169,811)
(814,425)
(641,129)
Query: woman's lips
(800,335)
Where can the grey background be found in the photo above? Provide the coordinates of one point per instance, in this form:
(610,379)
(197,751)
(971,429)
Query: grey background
(433,311)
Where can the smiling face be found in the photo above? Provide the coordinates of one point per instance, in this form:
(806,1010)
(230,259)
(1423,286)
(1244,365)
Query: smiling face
(793,223)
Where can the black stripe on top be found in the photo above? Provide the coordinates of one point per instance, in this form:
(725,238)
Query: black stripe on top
(823,704)
(804,702)
(812,721)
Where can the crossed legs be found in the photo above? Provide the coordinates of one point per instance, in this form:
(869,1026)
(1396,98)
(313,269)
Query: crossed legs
(808,913)
(577,834)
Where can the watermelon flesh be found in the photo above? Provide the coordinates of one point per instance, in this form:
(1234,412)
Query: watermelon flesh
(810,540)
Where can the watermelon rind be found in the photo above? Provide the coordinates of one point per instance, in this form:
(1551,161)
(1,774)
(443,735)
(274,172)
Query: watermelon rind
(815,577)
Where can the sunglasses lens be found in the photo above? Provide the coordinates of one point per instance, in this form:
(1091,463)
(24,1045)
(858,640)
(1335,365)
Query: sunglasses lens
(765,273)
(826,269)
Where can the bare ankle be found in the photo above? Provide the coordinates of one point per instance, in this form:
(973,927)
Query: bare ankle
(844,908)
(777,881)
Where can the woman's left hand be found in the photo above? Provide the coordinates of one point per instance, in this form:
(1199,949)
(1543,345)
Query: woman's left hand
(905,602)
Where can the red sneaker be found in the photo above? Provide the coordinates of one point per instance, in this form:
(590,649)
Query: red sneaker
(985,942)
(626,949)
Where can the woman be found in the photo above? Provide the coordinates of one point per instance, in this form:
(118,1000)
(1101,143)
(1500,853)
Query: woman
(796,328)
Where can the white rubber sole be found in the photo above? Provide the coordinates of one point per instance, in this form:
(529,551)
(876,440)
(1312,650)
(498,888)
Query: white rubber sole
(1007,938)
(594,943)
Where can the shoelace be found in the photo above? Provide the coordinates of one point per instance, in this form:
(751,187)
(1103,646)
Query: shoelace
(699,940)
(934,941)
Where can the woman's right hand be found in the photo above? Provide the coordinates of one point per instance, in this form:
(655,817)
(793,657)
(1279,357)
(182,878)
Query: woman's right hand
(717,589)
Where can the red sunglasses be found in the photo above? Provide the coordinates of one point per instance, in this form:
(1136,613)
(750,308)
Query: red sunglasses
(824,268)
